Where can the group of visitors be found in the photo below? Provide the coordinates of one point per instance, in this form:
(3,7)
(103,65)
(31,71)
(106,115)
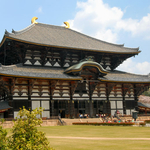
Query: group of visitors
(100,115)
(83,116)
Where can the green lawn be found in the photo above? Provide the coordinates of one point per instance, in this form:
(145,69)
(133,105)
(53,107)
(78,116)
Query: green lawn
(97,131)
(65,144)
(101,132)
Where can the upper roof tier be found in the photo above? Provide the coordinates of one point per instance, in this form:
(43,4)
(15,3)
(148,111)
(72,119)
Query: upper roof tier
(61,37)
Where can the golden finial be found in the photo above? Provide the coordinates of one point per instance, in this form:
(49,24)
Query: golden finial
(67,24)
(33,20)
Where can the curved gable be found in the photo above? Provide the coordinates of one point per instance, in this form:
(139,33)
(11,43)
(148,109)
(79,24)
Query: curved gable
(86,67)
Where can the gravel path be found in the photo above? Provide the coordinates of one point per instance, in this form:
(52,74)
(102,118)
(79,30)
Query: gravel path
(96,138)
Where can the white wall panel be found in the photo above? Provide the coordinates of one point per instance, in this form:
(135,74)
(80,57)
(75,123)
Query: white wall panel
(113,104)
(113,112)
(35,104)
(45,104)
(128,112)
(119,104)
(46,114)
(15,113)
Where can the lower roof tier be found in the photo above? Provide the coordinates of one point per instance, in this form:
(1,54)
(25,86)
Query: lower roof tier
(58,73)
(120,76)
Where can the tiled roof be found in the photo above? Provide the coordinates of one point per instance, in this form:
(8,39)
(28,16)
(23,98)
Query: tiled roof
(4,105)
(58,36)
(144,105)
(120,76)
(58,73)
(35,72)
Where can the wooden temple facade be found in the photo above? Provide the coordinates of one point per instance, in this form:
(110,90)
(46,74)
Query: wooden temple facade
(66,73)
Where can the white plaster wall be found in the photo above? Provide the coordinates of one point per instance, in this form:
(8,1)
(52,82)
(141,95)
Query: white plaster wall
(128,112)
(35,104)
(113,104)
(119,104)
(45,104)
(113,112)
(15,113)
(46,114)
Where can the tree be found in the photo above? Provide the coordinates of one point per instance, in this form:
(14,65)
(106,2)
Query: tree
(25,135)
(3,137)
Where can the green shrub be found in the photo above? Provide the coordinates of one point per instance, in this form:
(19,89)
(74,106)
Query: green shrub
(25,135)
(3,138)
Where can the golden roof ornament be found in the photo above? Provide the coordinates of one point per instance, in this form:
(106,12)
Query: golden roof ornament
(33,20)
(67,24)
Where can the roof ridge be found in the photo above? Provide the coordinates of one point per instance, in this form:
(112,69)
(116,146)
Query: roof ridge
(49,25)
(20,31)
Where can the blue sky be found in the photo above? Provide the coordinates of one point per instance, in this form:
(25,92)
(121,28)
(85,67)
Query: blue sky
(116,21)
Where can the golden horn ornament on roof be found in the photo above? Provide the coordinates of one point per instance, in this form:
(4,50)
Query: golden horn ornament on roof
(67,24)
(33,20)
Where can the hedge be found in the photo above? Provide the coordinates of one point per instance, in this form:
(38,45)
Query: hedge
(104,123)
(142,123)
(147,121)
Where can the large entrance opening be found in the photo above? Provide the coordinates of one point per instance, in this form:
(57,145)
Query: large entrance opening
(103,107)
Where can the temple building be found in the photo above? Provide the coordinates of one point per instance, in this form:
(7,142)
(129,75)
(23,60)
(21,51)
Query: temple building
(66,73)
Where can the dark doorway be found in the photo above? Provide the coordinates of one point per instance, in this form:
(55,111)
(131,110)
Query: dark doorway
(81,111)
(62,113)
(6,114)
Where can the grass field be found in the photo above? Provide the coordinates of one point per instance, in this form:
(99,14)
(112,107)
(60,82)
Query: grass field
(65,143)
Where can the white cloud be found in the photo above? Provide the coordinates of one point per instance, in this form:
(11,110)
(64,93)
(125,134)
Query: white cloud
(130,66)
(39,10)
(136,27)
(99,20)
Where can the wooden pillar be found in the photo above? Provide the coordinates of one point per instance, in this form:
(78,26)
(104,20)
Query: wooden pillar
(52,108)
(57,107)
(11,103)
(107,99)
(78,107)
(71,104)
(90,101)
(29,93)
(97,107)
(50,100)
(123,98)
(135,97)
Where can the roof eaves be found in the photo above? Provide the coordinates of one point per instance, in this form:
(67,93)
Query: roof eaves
(94,50)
